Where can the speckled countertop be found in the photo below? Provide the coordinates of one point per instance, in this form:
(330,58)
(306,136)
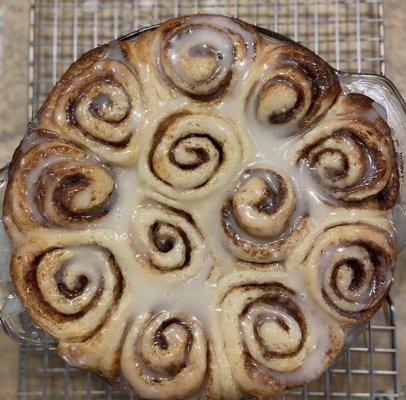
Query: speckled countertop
(13,119)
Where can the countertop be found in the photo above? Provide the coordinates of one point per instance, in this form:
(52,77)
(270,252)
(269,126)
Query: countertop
(14,38)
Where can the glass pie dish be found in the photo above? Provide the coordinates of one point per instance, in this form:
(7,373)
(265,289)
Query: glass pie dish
(19,325)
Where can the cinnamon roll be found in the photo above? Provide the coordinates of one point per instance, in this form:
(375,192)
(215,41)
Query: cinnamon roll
(189,154)
(68,284)
(199,55)
(168,242)
(273,337)
(292,88)
(261,220)
(53,182)
(97,104)
(196,212)
(348,266)
(351,155)
(164,356)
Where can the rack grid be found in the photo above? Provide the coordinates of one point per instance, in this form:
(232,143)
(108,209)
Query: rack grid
(349,34)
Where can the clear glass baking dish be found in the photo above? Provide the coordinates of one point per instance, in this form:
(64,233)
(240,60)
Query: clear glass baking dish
(18,324)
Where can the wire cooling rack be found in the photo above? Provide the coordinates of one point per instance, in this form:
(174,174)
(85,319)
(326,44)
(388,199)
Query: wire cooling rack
(349,34)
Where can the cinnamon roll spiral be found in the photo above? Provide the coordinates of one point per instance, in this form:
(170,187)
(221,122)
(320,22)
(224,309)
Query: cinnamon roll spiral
(200,55)
(292,88)
(96,103)
(261,221)
(69,288)
(56,183)
(274,339)
(348,267)
(351,155)
(189,154)
(168,241)
(164,356)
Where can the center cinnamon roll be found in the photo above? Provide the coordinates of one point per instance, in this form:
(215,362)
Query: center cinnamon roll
(189,154)
(261,220)
(168,242)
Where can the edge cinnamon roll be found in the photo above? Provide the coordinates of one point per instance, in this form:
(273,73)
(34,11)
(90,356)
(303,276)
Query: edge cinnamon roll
(200,55)
(97,104)
(164,356)
(261,221)
(351,155)
(190,153)
(274,339)
(69,284)
(168,242)
(53,182)
(292,88)
(348,266)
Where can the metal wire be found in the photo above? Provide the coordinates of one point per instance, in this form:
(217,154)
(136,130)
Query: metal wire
(347,33)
